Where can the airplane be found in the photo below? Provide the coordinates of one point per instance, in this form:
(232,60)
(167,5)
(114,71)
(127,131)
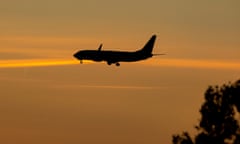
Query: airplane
(115,57)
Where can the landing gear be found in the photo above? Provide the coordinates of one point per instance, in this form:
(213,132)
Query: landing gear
(81,62)
(117,64)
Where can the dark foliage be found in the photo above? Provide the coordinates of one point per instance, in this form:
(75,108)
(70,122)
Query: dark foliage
(182,139)
(218,124)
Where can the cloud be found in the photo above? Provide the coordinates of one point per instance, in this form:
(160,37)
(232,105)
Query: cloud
(109,87)
(191,63)
(35,63)
(175,63)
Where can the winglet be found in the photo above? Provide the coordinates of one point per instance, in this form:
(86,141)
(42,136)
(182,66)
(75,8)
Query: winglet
(100,47)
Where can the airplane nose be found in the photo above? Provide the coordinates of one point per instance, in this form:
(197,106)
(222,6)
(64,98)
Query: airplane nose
(76,55)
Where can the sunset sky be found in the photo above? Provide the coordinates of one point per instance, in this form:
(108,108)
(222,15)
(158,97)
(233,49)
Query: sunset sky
(47,97)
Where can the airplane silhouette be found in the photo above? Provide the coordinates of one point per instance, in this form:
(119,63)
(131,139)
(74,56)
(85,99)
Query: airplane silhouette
(114,57)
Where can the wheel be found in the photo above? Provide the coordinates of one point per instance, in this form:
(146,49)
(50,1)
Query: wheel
(117,64)
(109,63)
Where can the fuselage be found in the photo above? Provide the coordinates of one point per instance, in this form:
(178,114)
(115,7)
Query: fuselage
(111,56)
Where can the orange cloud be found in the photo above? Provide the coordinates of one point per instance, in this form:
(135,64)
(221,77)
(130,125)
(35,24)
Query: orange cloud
(109,87)
(178,63)
(35,63)
(190,63)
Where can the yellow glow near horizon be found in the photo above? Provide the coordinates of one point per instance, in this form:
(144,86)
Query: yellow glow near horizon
(36,63)
(179,63)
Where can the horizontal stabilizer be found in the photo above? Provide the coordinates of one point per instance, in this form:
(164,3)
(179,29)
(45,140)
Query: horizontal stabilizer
(158,54)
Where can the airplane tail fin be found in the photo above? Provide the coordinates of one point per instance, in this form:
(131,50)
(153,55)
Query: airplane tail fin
(147,49)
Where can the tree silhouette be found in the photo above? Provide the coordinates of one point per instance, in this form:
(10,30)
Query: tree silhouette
(219,123)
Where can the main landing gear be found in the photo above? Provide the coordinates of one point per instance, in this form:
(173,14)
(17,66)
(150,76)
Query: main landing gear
(117,64)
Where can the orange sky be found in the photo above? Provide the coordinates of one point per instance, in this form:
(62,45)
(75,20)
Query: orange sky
(48,97)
